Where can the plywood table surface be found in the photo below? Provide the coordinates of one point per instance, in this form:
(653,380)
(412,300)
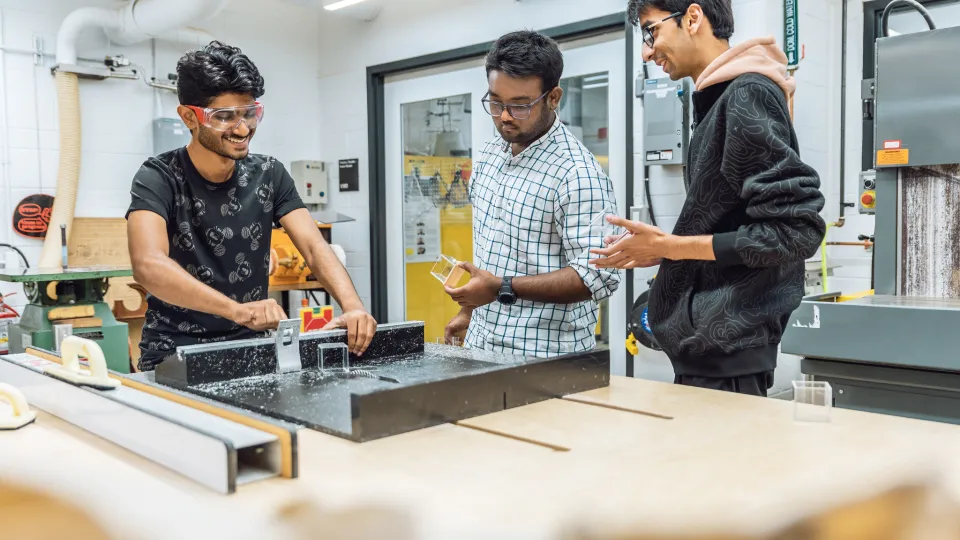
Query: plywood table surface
(735,463)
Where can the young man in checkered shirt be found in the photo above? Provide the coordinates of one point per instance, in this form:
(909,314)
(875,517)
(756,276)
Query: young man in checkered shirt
(536,193)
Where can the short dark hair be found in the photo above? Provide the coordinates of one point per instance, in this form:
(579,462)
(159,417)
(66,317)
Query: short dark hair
(216,69)
(527,54)
(718,12)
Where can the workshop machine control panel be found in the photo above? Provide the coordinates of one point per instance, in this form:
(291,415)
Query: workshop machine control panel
(867,201)
(311,179)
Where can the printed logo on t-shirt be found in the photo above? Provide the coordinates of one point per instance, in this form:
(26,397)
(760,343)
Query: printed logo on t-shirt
(162,343)
(253,233)
(253,295)
(184,239)
(233,207)
(243,270)
(190,328)
(152,319)
(199,209)
(243,176)
(265,195)
(202,273)
(216,236)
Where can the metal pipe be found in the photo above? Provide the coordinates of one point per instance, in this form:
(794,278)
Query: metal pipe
(843,111)
(866,244)
(885,17)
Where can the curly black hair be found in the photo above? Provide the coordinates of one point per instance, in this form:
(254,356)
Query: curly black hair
(718,12)
(527,54)
(216,69)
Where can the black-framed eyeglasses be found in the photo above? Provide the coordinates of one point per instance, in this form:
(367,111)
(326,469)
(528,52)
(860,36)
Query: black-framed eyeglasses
(648,29)
(520,112)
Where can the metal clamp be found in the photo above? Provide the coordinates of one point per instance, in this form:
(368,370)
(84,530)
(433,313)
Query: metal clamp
(288,346)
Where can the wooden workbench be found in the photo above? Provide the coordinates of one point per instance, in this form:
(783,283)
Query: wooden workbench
(639,456)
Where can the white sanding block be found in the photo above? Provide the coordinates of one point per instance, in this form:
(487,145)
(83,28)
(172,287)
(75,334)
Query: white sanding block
(22,415)
(69,371)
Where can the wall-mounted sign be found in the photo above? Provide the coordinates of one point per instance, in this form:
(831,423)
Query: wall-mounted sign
(32,216)
(791,33)
(350,174)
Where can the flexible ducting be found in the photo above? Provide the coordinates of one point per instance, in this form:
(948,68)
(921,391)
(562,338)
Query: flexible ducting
(68,175)
(139,20)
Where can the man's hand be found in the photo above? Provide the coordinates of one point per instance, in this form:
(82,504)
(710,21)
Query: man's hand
(360,326)
(643,246)
(457,327)
(259,316)
(479,291)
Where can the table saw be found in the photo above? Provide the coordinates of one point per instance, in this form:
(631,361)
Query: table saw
(890,350)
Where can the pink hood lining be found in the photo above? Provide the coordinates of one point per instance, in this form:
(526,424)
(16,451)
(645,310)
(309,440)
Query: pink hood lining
(758,55)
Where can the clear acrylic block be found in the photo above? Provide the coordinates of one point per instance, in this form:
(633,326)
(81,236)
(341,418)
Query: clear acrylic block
(454,341)
(447,271)
(328,353)
(608,233)
(812,401)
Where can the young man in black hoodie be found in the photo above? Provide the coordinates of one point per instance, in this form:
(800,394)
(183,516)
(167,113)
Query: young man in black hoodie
(732,271)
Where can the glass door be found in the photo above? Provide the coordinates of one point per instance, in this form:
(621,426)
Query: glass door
(435,125)
(432,134)
(594,109)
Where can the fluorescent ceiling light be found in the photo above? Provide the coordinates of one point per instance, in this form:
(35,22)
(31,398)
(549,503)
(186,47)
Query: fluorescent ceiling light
(591,86)
(341,4)
(596,78)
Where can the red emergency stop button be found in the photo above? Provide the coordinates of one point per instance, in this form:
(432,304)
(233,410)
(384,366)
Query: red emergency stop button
(868,199)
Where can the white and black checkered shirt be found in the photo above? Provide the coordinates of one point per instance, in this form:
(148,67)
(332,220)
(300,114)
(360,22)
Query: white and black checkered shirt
(532,215)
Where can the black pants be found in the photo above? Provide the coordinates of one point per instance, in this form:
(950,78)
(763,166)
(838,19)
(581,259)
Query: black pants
(754,385)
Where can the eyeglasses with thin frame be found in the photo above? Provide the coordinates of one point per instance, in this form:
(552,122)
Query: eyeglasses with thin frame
(648,29)
(228,118)
(520,112)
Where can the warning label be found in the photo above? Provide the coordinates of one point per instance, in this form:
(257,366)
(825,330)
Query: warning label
(893,157)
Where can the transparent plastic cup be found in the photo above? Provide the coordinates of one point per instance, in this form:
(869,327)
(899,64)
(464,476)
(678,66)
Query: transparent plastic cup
(812,401)
(454,341)
(447,271)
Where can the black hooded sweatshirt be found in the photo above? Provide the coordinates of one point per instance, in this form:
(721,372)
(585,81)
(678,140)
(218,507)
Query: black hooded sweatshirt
(746,186)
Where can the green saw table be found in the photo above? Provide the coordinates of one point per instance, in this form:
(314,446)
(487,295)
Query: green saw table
(70,296)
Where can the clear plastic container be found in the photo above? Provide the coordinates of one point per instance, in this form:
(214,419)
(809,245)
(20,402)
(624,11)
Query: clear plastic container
(447,271)
(812,401)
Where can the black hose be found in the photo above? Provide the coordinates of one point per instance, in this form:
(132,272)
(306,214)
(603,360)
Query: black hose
(884,23)
(22,256)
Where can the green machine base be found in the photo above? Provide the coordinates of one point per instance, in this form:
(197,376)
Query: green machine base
(51,288)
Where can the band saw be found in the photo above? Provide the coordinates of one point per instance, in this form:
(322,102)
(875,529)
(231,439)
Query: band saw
(890,350)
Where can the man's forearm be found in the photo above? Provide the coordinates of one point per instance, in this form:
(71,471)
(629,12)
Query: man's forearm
(325,265)
(164,278)
(560,287)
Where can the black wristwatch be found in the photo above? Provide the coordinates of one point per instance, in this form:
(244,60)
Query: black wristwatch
(506,295)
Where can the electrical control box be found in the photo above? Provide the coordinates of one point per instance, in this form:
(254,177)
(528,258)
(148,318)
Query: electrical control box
(169,134)
(666,120)
(867,203)
(311,179)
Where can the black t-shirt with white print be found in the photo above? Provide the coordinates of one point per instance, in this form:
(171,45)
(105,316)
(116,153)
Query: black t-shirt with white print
(219,233)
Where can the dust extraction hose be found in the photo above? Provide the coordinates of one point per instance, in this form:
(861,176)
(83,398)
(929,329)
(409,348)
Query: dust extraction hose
(68,175)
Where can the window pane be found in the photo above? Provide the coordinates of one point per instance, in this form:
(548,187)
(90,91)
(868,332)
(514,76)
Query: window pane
(585,110)
(437,216)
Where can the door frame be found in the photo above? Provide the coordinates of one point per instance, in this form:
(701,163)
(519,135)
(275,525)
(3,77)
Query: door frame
(376,78)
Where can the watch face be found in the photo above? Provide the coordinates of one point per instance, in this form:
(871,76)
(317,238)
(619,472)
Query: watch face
(506,298)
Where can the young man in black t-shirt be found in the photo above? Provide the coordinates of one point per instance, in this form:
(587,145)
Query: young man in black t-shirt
(201,216)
